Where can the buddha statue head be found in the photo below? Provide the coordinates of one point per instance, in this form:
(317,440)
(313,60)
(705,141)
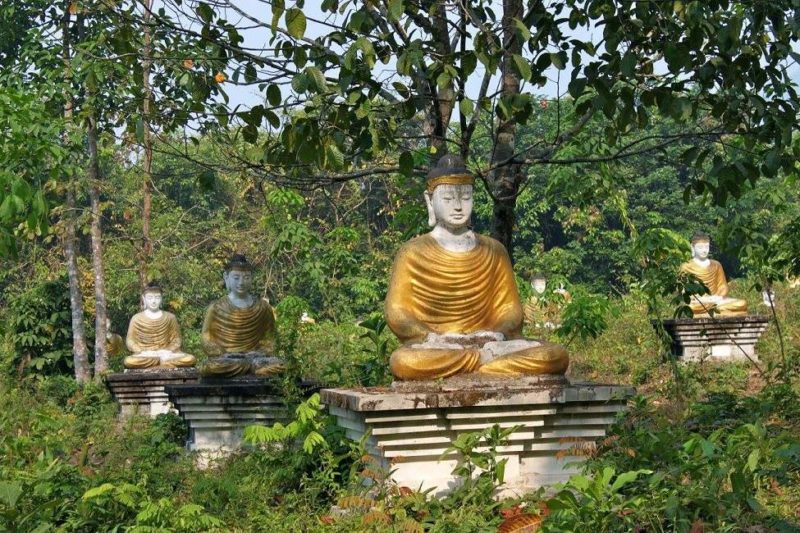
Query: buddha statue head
(538,283)
(448,195)
(701,246)
(238,276)
(151,297)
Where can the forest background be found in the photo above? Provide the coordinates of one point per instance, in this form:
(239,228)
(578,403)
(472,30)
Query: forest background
(121,163)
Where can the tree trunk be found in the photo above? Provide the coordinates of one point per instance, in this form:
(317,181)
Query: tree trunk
(80,351)
(147,196)
(506,179)
(439,101)
(101,314)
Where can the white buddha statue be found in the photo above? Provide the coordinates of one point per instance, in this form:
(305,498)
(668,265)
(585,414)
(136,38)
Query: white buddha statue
(543,311)
(452,298)
(711,273)
(154,337)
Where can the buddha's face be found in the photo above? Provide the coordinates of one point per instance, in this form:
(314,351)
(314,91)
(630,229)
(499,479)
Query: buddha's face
(700,249)
(239,282)
(152,301)
(450,206)
(538,285)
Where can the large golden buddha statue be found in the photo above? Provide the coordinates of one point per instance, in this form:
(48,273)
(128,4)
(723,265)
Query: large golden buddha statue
(239,328)
(711,273)
(154,337)
(452,298)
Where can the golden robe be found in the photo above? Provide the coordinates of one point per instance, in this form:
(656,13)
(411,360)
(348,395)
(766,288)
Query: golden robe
(229,329)
(713,277)
(150,334)
(115,345)
(435,290)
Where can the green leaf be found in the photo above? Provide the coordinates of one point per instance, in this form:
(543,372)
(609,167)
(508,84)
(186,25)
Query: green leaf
(523,67)
(277,12)
(500,471)
(334,158)
(250,133)
(523,29)
(406,166)
(319,79)
(273,119)
(466,106)
(205,12)
(97,491)
(273,95)
(250,74)
(10,493)
(559,60)
(396,9)
(627,477)
(752,460)
(140,130)
(295,22)
(443,80)
(468,63)
(300,83)
(576,87)
(21,189)
(628,65)
(754,505)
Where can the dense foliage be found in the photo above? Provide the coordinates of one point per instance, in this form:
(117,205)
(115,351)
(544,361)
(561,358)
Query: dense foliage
(123,159)
(715,448)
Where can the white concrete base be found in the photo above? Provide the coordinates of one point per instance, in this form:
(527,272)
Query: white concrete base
(410,431)
(717,339)
(217,414)
(143,392)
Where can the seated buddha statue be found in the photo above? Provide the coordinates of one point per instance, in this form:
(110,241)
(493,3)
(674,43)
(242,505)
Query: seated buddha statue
(543,311)
(452,298)
(115,344)
(711,273)
(154,338)
(239,328)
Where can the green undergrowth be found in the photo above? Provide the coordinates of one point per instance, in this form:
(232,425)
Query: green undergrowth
(704,448)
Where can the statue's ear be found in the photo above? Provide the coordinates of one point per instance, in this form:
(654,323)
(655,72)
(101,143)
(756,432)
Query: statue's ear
(429,205)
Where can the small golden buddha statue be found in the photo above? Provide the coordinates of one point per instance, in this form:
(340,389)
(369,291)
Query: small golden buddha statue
(115,344)
(545,311)
(452,298)
(154,337)
(239,328)
(711,273)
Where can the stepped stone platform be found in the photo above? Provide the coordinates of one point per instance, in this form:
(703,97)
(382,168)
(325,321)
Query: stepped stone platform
(721,339)
(217,411)
(411,424)
(143,391)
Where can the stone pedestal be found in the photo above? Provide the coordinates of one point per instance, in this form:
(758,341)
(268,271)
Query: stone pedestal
(412,424)
(143,391)
(720,339)
(217,412)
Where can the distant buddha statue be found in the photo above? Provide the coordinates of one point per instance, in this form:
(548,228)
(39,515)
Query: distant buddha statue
(452,298)
(154,338)
(543,311)
(239,328)
(711,273)
(115,344)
